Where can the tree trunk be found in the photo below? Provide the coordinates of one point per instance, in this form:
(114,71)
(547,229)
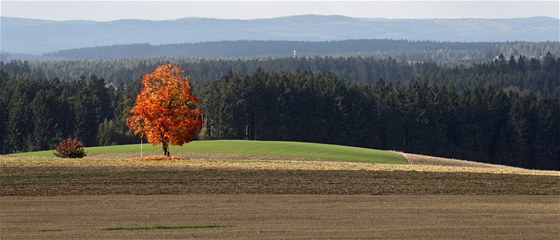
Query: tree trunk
(165,146)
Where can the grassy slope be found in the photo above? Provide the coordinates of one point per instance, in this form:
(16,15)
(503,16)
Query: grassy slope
(270,148)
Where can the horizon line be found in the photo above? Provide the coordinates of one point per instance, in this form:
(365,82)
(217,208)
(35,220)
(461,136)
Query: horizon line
(287,16)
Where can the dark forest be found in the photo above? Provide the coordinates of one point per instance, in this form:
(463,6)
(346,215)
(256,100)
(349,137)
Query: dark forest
(506,111)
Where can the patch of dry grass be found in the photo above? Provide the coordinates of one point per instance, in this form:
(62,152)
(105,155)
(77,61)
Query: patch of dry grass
(225,161)
(418,159)
(446,165)
(157,158)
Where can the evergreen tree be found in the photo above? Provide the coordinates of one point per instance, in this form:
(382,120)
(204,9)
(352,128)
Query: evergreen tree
(45,133)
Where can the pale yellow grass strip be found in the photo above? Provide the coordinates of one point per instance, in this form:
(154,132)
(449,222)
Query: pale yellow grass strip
(260,165)
(417,159)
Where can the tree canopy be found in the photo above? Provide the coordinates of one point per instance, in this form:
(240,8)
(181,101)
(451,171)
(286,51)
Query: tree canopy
(165,110)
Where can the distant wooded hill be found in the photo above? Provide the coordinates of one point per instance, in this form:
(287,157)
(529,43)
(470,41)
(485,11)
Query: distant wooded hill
(452,53)
(40,36)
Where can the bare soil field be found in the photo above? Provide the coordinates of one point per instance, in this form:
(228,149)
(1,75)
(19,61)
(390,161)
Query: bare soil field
(49,177)
(49,198)
(259,216)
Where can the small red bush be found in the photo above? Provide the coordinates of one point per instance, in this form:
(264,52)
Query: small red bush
(70,148)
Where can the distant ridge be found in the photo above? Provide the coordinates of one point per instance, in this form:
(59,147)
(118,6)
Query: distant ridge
(31,36)
(449,52)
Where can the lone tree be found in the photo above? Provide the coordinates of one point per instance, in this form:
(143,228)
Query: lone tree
(165,110)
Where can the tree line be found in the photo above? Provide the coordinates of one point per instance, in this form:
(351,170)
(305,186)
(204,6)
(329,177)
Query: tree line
(36,113)
(451,53)
(483,117)
(481,124)
(535,74)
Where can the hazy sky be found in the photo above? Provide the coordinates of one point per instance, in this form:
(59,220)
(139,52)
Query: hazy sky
(111,10)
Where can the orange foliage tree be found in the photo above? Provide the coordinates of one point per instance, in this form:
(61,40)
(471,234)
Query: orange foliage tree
(165,110)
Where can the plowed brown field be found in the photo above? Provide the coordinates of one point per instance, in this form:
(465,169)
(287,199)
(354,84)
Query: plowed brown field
(73,199)
(282,217)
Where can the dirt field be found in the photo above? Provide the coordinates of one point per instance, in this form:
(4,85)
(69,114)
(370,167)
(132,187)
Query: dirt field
(282,216)
(48,198)
(66,177)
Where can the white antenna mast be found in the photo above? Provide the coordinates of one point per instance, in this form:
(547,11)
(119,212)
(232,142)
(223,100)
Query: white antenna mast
(294,53)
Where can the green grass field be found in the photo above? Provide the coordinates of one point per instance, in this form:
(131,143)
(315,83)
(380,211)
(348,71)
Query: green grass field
(269,148)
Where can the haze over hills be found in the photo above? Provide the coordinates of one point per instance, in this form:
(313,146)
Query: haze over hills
(29,36)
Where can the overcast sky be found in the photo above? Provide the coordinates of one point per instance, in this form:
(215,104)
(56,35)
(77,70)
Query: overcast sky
(112,10)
